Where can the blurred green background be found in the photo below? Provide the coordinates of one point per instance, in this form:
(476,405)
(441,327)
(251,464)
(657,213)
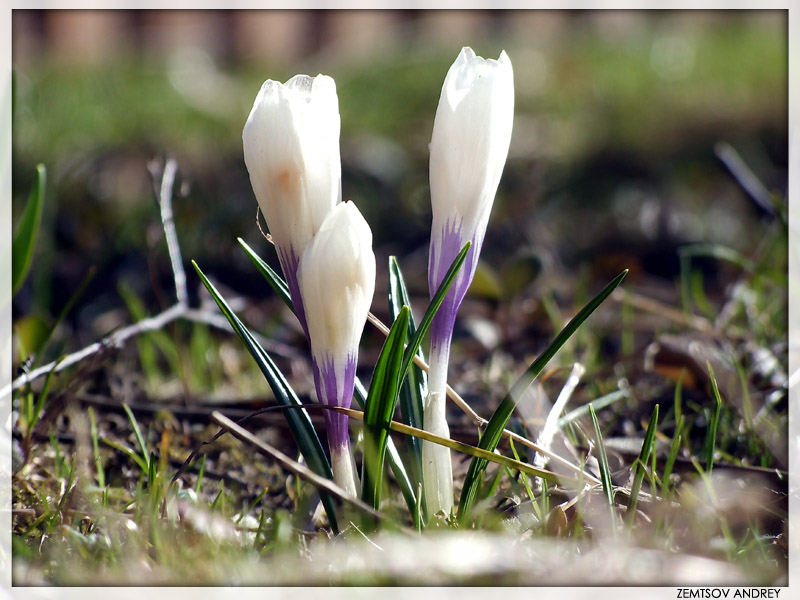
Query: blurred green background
(612,162)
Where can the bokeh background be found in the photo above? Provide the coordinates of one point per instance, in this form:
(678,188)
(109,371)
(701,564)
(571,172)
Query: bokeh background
(633,133)
(613,162)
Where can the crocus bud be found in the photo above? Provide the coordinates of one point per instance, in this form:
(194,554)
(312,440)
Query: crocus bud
(336,277)
(291,149)
(469,146)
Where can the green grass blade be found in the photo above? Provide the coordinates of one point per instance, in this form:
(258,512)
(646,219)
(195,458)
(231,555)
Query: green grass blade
(713,426)
(433,306)
(138,434)
(299,421)
(641,462)
(24,241)
(673,454)
(602,459)
(494,429)
(132,454)
(386,384)
(160,338)
(392,455)
(36,409)
(394,460)
(605,470)
(415,386)
(494,457)
(274,279)
(98,460)
(678,396)
(380,406)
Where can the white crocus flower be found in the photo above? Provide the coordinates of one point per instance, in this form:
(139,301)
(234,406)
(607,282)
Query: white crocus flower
(468,150)
(291,149)
(336,278)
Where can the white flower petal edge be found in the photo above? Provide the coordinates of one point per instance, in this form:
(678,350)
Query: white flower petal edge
(337,282)
(468,150)
(469,145)
(336,277)
(291,149)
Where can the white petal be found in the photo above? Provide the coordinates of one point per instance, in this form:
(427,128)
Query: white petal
(337,283)
(471,136)
(291,149)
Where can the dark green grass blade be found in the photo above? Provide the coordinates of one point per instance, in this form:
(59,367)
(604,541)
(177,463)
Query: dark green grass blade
(279,285)
(299,421)
(274,279)
(24,240)
(379,408)
(494,429)
(36,409)
(711,434)
(674,448)
(137,432)
(641,462)
(433,306)
(602,459)
(415,387)
(387,384)
(394,460)
(605,471)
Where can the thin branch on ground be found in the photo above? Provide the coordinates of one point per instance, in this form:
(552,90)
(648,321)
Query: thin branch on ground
(293,466)
(467,449)
(181,310)
(480,421)
(168,222)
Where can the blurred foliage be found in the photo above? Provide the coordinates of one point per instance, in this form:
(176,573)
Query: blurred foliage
(605,119)
(612,166)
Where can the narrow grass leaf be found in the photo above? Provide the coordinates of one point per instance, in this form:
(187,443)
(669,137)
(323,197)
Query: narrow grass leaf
(494,428)
(392,455)
(673,454)
(248,507)
(152,474)
(713,426)
(380,406)
(415,387)
(467,449)
(38,407)
(24,241)
(130,453)
(139,437)
(678,396)
(160,338)
(98,460)
(298,420)
(644,455)
(605,471)
(389,380)
(602,459)
(393,458)
(433,307)
(275,281)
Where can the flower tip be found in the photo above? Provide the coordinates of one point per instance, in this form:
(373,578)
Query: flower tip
(466,53)
(301,83)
